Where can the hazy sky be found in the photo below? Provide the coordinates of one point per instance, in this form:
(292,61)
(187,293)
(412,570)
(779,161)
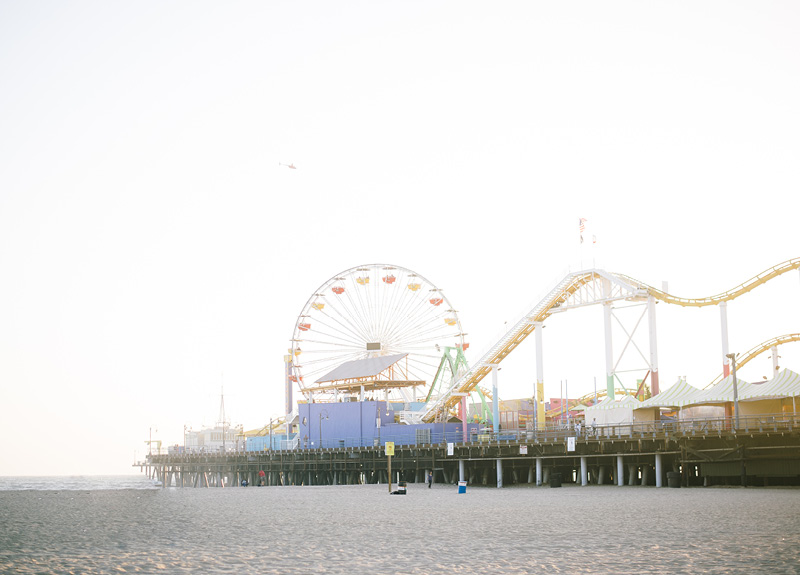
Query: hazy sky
(153,250)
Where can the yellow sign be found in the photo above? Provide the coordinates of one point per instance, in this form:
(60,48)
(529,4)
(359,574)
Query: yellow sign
(390,448)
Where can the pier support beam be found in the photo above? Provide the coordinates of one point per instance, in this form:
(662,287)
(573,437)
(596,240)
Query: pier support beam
(584,472)
(633,472)
(620,471)
(659,471)
(499,468)
(539,471)
(462,474)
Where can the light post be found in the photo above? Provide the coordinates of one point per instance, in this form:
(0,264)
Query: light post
(322,411)
(732,357)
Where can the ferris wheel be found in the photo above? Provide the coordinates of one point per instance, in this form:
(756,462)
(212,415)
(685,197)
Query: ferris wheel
(372,311)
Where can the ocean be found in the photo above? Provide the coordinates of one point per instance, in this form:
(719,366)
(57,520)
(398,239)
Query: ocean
(127,525)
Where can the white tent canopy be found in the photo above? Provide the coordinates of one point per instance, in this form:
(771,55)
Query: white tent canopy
(785,384)
(627,401)
(614,412)
(677,395)
(721,393)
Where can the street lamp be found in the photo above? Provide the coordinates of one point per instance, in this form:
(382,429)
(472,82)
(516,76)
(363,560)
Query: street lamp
(320,425)
(732,357)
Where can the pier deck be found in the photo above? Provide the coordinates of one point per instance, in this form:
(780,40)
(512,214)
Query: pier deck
(766,452)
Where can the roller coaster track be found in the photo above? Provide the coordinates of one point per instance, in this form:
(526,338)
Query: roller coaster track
(559,298)
(601,394)
(762,347)
(264,431)
(742,288)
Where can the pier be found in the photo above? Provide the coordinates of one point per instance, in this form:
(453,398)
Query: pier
(762,451)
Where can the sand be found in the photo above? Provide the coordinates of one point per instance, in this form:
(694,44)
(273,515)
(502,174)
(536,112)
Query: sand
(362,529)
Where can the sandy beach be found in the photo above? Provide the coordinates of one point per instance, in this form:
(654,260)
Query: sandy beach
(361,529)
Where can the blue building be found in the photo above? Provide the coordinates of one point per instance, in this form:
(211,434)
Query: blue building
(368,423)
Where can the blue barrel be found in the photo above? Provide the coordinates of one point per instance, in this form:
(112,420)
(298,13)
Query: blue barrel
(462,486)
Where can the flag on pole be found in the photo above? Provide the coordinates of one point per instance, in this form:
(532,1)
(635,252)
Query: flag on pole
(582,227)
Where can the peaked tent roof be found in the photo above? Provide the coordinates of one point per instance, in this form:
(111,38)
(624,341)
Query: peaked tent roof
(677,395)
(625,401)
(368,367)
(721,393)
(785,384)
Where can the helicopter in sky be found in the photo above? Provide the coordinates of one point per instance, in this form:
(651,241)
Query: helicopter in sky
(291,166)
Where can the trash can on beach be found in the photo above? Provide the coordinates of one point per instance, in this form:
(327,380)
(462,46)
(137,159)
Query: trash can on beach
(555,479)
(401,488)
(673,479)
(462,486)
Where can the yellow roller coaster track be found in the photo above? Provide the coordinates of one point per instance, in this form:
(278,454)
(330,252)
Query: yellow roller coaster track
(264,431)
(762,347)
(742,288)
(601,394)
(561,294)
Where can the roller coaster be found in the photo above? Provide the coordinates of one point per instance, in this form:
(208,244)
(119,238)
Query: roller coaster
(585,288)
(757,350)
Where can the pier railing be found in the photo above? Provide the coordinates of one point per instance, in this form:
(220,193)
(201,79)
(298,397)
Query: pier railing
(551,432)
(560,431)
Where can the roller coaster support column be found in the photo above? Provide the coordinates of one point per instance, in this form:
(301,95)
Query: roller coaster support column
(539,376)
(495,404)
(609,355)
(775,367)
(651,322)
(723,316)
(464,418)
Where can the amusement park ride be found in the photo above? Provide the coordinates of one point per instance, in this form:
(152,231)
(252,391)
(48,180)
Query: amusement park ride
(385,311)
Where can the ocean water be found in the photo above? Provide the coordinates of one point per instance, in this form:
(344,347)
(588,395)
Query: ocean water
(362,529)
(76,483)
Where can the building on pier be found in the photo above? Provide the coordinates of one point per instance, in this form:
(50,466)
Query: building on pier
(215,439)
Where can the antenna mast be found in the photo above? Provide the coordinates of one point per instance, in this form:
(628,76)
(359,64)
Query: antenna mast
(222,420)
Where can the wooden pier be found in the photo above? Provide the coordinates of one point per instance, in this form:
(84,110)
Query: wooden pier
(766,454)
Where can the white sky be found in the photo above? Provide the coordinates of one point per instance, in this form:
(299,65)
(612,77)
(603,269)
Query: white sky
(152,249)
